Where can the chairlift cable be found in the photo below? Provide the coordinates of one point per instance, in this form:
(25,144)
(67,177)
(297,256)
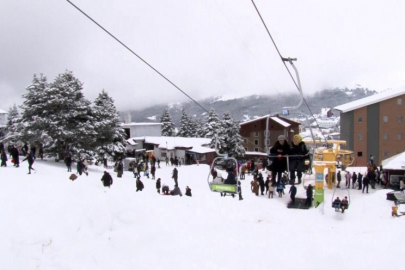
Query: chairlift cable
(278,51)
(154,69)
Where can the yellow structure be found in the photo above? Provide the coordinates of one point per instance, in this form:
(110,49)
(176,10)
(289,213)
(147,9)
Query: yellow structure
(330,158)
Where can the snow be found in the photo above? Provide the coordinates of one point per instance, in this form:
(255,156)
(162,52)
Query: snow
(50,222)
(152,118)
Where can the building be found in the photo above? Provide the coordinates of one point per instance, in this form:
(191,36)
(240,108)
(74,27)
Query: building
(374,126)
(254,132)
(187,150)
(142,129)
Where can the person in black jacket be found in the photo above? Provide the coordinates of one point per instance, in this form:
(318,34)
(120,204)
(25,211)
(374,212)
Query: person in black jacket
(354,179)
(308,202)
(175,176)
(293,192)
(30,160)
(3,158)
(107,179)
(279,162)
(188,191)
(158,185)
(360,181)
(366,182)
(16,156)
(297,153)
(139,184)
(261,183)
(68,162)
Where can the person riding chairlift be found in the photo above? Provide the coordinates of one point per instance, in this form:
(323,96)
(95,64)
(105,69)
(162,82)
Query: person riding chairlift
(336,204)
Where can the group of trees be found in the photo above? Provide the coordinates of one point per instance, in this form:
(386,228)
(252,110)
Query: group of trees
(224,134)
(57,117)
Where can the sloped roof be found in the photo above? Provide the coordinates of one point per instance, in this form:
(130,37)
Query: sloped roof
(370,100)
(2,111)
(396,162)
(196,144)
(274,118)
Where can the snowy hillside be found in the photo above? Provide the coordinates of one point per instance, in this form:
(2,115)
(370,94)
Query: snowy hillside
(50,222)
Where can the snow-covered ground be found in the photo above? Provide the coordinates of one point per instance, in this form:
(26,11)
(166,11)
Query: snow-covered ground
(50,222)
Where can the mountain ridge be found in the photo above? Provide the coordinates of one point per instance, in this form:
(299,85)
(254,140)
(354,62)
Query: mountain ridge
(252,106)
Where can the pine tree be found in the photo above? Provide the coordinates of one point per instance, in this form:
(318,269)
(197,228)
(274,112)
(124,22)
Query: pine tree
(184,129)
(199,130)
(235,140)
(168,128)
(59,115)
(213,129)
(110,139)
(12,133)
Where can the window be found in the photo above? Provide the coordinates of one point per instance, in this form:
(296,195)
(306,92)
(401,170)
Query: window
(385,118)
(256,142)
(399,118)
(256,133)
(360,119)
(399,101)
(385,136)
(255,126)
(385,154)
(359,154)
(360,137)
(399,136)
(256,149)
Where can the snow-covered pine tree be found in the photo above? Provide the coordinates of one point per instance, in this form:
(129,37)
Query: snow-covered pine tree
(193,127)
(235,140)
(110,139)
(184,129)
(12,133)
(213,129)
(168,128)
(60,116)
(34,112)
(199,130)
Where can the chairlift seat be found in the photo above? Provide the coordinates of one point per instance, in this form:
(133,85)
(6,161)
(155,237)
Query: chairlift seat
(225,188)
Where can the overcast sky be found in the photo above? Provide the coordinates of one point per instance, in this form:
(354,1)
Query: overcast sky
(206,47)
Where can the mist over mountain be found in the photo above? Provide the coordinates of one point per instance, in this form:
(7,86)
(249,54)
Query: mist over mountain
(250,107)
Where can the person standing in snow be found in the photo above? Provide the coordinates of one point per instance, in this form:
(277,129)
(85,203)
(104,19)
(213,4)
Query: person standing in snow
(30,162)
(139,184)
(348,176)
(3,157)
(120,168)
(16,156)
(240,191)
(293,192)
(308,202)
(354,179)
(175,176)
(107,179)
(366,182)
(158,185)
(152,171)
(188,191)
(68,162)
(359,180)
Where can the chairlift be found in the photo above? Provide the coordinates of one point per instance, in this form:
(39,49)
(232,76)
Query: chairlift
(339,206)
(223,176)
(223,166)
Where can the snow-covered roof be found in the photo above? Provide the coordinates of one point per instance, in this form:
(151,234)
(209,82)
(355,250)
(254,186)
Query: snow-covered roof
(281,122)
(370,100)
(2,111)
(170,143)
(274,118)
(396,162)
(131,141)
(141,124)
